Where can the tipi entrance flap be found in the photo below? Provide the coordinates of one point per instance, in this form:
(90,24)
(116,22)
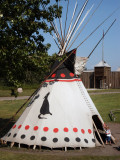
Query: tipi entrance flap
(99,130)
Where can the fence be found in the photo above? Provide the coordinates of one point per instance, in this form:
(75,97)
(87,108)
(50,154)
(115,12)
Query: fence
(112,80)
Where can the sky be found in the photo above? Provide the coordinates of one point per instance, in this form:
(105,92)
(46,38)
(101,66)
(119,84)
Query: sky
(111,47)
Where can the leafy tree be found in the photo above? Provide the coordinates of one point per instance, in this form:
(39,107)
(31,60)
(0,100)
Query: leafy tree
(22,48)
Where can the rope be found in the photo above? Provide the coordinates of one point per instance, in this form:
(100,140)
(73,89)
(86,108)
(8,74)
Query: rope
(102,38)
(97,27)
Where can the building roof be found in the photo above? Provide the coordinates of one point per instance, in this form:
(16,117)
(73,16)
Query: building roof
(102,64)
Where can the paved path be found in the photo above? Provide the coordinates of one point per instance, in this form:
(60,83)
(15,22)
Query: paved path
(26,97)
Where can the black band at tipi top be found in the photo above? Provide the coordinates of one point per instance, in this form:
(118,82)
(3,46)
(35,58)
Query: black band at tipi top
(66,69)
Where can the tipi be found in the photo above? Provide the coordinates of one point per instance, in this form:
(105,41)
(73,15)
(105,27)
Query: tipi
(61,113)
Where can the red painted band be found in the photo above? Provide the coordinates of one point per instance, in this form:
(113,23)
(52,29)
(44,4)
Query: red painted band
(63,80)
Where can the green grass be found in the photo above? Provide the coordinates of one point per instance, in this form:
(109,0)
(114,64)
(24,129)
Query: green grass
(7,93)
(27,90)
(105,103)
(103,90)
(9,108)
(32,156)
(25,86)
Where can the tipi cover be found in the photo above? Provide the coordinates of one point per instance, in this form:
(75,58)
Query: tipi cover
(60,114)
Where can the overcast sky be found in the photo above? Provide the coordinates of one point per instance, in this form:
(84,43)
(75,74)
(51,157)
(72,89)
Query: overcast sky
(111,40)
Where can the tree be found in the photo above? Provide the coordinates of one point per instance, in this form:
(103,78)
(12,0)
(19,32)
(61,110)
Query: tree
(22,48)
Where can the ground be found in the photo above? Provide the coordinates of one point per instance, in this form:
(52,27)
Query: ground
(108,150)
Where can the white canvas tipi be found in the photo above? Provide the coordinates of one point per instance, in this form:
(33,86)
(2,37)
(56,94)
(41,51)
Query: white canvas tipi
(59,115)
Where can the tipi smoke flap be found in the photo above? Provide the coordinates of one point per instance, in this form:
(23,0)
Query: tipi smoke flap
(60,114)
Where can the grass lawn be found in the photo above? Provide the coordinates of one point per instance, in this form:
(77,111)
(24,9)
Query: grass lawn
(7,93)
(105,103)
(103,90)
(9,108)
(7,155)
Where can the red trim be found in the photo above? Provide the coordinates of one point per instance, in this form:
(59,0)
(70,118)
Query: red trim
(63,80)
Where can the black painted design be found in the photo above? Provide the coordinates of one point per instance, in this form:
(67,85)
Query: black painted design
(9,134)
(45,85)
(86,141)
(23,136)
(66,139)
(78,139)
(94,140)
(43,138)
(32,137)
(14,135)
(45,107)
(55,140)
(36,97)
(51,83)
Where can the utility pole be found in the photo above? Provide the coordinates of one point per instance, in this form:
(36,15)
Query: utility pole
(103,47)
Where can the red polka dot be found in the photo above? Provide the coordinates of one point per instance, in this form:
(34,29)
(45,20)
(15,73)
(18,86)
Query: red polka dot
(75,129)
(83,131)
(45,129)
(71,75)
(14,126)
(19,126)
(27,127)
(66,129)
(53,75)
(55,130)
(35,128)
(62,75)
(89,131)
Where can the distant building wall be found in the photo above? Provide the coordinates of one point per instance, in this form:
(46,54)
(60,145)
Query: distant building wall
(115,79)
(112,80)
(88,79)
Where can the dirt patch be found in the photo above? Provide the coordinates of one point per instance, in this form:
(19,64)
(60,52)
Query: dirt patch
(108,150)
